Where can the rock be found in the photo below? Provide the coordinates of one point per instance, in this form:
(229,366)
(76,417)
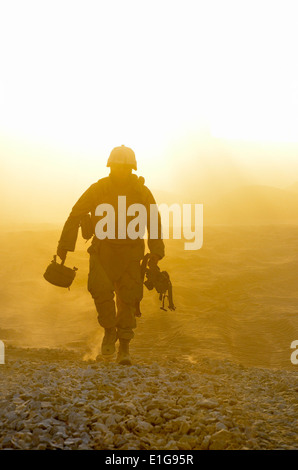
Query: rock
(220,440)
(131,423)
(205,443)
(189,442)
(45,424)
(220,426)
(143,427)
(108,439)
(61,434)
(171,445)
(46,404)
(184,427)
(209,404)
(72,441)
(119,441)
(153,416)
(19,426)
(11,416)
(182,445)
(233,401)
(100,427)
(110,421)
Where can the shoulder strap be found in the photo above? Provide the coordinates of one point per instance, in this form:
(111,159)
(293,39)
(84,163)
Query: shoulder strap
(139,185)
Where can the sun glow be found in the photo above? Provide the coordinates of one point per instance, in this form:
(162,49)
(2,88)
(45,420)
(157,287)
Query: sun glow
(78,78)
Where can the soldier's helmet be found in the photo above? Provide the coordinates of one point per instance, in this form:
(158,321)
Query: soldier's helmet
(123,155)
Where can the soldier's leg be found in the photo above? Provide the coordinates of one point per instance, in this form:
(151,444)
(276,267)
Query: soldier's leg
(129,291)
(102,290)
(126,320)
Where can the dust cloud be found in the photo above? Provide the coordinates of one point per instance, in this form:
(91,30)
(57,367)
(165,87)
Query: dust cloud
(236,298)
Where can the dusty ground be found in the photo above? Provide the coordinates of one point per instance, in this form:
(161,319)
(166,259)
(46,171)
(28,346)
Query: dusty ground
(52,399)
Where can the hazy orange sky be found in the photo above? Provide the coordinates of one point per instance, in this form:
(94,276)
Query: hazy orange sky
(205,92)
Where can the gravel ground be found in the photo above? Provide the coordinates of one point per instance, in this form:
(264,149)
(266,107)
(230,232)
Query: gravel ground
(52,399)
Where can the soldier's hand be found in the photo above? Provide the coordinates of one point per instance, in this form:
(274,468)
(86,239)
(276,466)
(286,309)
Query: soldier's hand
(62,252)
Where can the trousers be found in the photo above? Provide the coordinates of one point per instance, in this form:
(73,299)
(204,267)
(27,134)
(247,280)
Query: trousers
(116,286)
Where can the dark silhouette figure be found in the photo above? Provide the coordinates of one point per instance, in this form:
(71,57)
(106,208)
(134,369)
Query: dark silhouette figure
(114,262)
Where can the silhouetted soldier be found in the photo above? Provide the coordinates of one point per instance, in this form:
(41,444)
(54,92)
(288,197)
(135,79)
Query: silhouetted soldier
(114,263)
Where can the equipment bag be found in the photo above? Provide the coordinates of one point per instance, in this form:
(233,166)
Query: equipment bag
(59,275)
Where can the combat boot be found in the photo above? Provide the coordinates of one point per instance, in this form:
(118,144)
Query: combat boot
(123,356)
(108,342)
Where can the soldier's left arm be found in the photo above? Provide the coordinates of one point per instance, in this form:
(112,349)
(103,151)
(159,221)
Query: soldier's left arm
(70,230)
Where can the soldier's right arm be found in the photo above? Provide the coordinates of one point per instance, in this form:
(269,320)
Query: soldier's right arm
(83,206)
